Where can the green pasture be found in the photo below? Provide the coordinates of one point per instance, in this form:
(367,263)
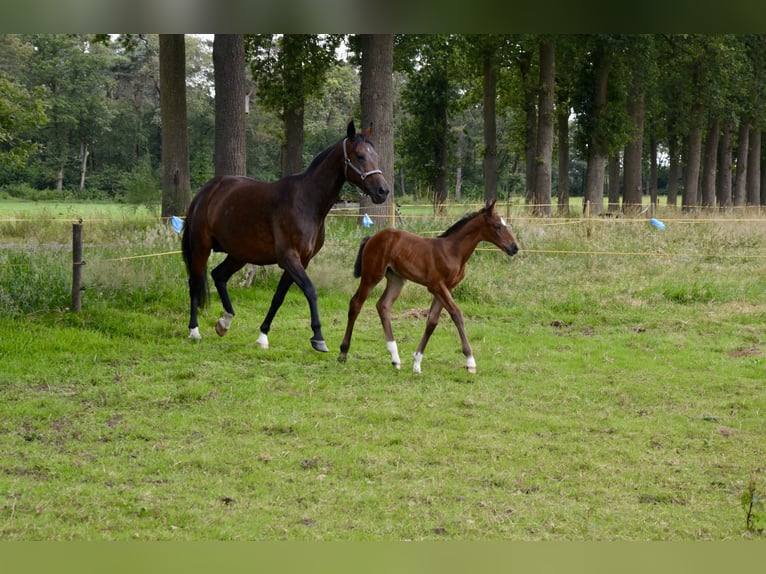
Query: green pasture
(619,394)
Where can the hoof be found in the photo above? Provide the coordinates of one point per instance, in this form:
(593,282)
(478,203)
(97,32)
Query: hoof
(319,345)
(220,329)
(397,366)
(471,370)
(194,334)
(262,341)
(341,358)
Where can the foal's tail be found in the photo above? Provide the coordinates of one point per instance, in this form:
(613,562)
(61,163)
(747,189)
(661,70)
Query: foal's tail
(197,285)
(358,262)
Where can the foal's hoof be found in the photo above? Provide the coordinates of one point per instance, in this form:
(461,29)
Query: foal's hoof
(319,345)
(471,370)
(194,334)
(220,329)
(341,358)
(397,366)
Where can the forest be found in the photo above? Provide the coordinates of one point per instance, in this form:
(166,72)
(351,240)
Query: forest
(613,118)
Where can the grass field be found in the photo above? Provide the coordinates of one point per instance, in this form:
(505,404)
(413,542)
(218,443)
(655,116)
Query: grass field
(619,394)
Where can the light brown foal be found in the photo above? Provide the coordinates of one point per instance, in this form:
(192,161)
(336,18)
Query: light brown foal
(438,263)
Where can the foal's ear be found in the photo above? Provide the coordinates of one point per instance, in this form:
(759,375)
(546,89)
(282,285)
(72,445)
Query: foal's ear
(351,130)
(490,205)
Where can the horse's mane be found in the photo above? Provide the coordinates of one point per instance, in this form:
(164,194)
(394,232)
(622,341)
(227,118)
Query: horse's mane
(461,222)
(319,158)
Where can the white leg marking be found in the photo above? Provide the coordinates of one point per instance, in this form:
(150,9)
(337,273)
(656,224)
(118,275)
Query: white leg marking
(394,351)
(194,334)
(470,364)
(416,363)
(262,341)
(223,324)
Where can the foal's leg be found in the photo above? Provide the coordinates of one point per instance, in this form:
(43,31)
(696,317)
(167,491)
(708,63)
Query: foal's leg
(431,322)
(394,286)
(221,276)
(457,317)
(354,307)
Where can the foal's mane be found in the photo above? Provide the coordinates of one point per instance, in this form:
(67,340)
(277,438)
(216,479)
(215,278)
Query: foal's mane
(461,222)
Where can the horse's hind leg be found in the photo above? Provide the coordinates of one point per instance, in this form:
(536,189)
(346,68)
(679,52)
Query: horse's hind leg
(276,302)
(457,318)
(394,286)
(221,276)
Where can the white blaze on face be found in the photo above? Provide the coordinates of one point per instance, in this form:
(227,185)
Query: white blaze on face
(502,220)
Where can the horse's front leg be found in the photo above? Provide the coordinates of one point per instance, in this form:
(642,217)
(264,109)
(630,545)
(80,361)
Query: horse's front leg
(433,319)
(302,280)
(221,276)
(394,286)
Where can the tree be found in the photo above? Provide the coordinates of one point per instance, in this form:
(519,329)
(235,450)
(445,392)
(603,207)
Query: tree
(229,70)
(288,69)
(20,112)
(73,71)
(428,97)
(545,122)
(176,187)
(377,101)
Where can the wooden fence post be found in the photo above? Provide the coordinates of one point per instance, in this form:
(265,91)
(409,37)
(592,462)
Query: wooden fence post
(77,264)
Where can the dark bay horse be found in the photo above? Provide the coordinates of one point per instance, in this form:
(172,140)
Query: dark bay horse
(438,263)
(280,222)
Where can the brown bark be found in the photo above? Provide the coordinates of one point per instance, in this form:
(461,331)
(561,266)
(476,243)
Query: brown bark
(754,167)
(377,102)
(490,126)
(230,156)
(545,121)
(740,178)
(632,198)
(176,187)
(709,164)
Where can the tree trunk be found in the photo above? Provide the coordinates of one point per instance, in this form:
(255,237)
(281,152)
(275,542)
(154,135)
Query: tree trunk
(632,197)
(709,164)
(176,187)
(530,114)
(613,184)
(292,149)
(740,178)
(84,153)
(691,174)
(490,125)
(653,172)
(594,180)
(562,113)
(673,172)
(754,167)
(377,102)
(230,156)
(60,179)
(723,189)
(545,122)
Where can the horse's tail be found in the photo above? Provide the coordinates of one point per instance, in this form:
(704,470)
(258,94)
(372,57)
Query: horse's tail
(197,286)
(358,262)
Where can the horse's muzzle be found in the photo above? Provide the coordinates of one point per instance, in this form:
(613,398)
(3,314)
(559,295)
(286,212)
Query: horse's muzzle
(378,191)
(511,249)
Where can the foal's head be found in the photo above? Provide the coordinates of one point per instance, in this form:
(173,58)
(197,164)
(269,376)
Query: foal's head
(361,164)
(496,231)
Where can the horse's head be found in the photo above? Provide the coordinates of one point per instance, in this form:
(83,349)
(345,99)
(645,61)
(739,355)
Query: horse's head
(497,231)
(361,164)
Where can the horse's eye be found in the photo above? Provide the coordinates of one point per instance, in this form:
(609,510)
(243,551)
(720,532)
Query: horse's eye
(360,158)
